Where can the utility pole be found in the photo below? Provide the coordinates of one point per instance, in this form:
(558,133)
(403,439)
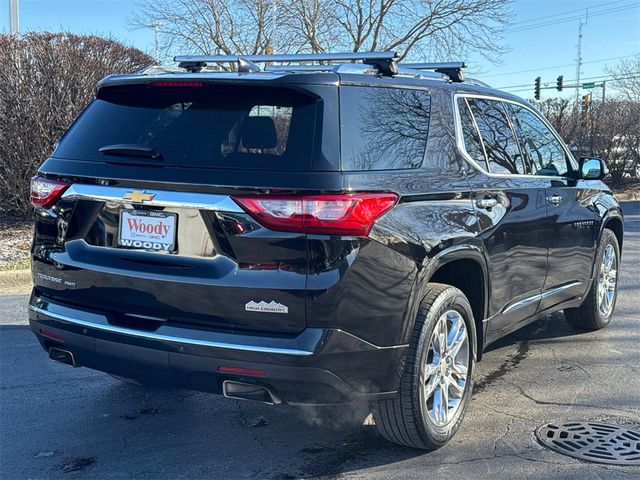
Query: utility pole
(14,17)
(274,32)
(581,24)
(156,30)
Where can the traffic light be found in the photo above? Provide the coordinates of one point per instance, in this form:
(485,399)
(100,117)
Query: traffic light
(536,90)
(586,102)
(559,81)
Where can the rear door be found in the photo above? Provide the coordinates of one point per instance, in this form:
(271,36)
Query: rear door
(573,220)
(512,213)
(149,233)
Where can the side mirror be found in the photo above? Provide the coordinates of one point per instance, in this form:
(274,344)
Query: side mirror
(593,168)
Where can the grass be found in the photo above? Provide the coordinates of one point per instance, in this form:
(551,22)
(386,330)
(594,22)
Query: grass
(23,264)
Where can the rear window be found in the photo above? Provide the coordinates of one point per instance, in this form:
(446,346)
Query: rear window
(383,128)
(221,127)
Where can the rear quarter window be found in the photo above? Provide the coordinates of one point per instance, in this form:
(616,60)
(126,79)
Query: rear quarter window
(212,127)
(383,128)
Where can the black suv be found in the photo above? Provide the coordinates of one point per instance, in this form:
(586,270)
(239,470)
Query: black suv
(356,230)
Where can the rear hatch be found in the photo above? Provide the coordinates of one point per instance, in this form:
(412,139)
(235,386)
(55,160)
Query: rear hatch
(148,230)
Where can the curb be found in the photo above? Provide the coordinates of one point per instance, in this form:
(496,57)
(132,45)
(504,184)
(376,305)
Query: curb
(13,282)
(627,196)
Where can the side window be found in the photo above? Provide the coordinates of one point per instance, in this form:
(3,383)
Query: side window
(542,150)
(383,128)
(503,153)
(470,135)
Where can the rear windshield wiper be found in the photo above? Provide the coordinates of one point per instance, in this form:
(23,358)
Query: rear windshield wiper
(131,150)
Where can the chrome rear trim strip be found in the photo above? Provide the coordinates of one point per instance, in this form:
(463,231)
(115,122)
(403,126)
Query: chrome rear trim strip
(160,198)
(522,303)
(165,338)
(557,290)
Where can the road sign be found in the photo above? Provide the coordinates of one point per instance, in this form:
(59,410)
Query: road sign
(589,85)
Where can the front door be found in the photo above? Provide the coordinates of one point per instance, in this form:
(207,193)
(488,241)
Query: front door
(512,213)
(573,220)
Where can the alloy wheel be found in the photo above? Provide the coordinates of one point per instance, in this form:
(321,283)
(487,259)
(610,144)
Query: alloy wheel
(607,281)
(446,369)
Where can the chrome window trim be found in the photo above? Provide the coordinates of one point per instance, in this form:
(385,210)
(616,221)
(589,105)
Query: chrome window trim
(475,125)
(539,296)
(460,139)
(168,338)
(162,198)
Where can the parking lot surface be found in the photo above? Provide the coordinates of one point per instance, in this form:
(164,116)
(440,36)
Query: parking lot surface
(59,422)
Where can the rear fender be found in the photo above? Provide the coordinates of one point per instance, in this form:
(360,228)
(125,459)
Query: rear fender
(473,251)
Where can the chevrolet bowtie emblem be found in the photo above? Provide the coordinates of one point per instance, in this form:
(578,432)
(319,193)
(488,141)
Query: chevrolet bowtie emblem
(139,196)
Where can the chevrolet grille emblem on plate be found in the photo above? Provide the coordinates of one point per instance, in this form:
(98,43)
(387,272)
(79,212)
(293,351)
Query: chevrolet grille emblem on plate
(139,196)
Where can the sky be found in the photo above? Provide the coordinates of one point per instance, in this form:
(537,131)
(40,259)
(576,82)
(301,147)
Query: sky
(541,37)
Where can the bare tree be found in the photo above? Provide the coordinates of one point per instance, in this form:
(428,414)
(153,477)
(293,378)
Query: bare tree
(433,29)
(46,79)
(626,75)
(615,136)
(563,116)
(607,130)
(209,26)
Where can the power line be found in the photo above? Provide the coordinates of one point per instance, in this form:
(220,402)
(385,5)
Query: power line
(597,78)
(575,17)
(554,66)
(571,19)
(566,12)
(608,80)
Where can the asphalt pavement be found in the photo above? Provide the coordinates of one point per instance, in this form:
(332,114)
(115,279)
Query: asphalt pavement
(63,423)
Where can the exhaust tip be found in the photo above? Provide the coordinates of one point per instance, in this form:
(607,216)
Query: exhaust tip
(248,391)
(62,356)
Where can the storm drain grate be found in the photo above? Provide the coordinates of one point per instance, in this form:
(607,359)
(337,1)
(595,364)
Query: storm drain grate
(594,442)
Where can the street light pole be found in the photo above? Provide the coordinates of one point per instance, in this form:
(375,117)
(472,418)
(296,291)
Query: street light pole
(14,17)
(156,28)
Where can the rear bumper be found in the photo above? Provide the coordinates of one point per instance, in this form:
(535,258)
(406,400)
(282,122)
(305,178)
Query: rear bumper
(318,366)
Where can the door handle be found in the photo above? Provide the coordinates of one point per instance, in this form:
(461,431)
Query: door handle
(554,199)
(486,203)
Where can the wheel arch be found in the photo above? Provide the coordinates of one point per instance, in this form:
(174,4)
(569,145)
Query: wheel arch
(466,270)
(615,223)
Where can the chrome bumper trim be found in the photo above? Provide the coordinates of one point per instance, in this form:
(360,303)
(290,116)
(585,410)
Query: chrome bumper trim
(161,198)
(165,338)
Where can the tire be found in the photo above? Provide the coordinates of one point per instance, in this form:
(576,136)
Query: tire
(412,418)
(592,314)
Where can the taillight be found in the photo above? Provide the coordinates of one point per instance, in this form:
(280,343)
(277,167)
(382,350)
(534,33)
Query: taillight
(350,214)
(45,193)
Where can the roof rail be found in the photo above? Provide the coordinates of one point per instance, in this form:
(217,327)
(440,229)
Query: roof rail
(300,68)
(384,61)
(454,70)
(414,72)
(475,81)
(160,69)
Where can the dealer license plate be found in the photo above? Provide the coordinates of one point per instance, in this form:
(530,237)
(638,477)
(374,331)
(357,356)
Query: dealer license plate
(148,230)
